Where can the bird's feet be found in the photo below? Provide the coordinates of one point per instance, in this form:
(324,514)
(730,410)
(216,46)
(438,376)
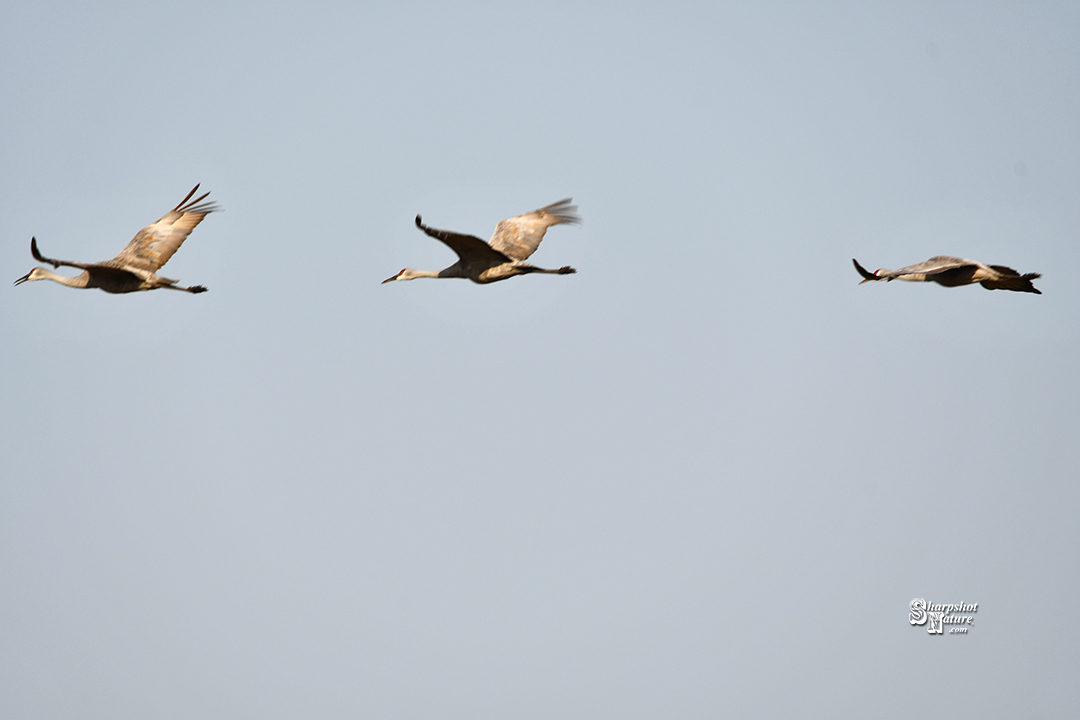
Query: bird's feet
(566,270)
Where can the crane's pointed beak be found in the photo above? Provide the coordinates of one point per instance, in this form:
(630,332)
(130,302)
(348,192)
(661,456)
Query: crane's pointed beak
(389,279)
(24,278)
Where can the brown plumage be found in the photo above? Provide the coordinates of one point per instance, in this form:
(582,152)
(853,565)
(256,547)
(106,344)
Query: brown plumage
(135,268)
(515,239)
(953,272)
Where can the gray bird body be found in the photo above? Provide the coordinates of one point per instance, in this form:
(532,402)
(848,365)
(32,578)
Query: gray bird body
(135,268)
(954,272)
(515,239)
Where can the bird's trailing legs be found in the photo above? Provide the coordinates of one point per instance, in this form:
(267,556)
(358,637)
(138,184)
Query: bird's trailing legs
(564,270)
(195,289)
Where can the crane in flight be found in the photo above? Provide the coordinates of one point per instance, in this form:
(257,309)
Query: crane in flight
(135,268)
(515,239)
(953,272)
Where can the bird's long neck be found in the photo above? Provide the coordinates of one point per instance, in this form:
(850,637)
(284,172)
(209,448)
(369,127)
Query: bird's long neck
(424,273)
(411,274)
(79,281)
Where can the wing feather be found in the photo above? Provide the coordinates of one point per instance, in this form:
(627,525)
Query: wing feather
(935,265)
(468,247)
(518,237)
(867,275)
(152,247)
(55,263)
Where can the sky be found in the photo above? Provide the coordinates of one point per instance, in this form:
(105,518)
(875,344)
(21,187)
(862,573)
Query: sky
(703,477)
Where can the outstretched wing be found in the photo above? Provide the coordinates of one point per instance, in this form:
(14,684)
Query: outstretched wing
(468,247)
(155,244)
(518,237)
(867,275)
(55,263)
(935,265)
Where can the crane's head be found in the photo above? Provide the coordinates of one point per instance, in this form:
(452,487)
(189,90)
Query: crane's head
(35,274)
(877,275)
(409,274)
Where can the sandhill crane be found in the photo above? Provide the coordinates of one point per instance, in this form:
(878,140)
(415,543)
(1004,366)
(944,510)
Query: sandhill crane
(135,267)
(515,239)
(953,272)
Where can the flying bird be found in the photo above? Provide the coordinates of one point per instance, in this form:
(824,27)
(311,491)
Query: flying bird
(515,239)
(135,268)
(953,272)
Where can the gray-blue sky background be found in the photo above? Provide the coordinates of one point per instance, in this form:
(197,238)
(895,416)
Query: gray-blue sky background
(701,478)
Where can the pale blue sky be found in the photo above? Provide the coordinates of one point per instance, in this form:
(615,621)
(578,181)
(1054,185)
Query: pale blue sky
(701,478)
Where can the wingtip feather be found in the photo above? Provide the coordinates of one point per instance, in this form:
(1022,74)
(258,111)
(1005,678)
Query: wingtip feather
(193,190)
(867,275)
